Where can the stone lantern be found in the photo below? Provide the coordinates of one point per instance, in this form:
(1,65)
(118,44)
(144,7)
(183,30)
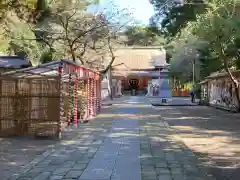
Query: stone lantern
(165,90)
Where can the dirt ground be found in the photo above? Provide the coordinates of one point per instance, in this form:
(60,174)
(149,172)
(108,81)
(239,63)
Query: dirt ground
(213,135)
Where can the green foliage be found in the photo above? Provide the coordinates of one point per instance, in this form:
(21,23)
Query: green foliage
(30,11)
(21,46)
(219,26)
(169,52)
(179,15)
(16,36)
(143,36)
(162,6)
(214,24)
(43,30)
(46,56)
(4,43)
(209,62)
(174,15)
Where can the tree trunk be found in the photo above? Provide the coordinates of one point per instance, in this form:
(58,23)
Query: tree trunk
(110,91)
(235,83)
(108,67)
(72,53)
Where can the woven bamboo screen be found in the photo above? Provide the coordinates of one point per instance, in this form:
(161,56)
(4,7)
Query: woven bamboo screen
(29,106)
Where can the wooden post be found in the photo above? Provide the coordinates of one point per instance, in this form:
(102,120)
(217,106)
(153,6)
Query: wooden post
(95,97)
(76,100)
(29,104)
(99,94)
(83,98)
(16,105)
(70,87)
(88,97)
(61,110)
(1,99)
(91,97)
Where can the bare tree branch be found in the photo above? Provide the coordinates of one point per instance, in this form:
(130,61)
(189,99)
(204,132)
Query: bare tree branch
(112,56)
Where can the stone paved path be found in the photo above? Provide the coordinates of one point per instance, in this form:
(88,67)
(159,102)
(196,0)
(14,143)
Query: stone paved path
(126,142)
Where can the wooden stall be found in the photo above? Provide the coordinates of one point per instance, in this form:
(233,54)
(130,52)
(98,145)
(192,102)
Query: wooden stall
(218,90)
(42,100)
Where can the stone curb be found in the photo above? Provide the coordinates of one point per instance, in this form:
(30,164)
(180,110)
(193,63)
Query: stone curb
(107,104)
(233,110)
(174,104)
(170,104)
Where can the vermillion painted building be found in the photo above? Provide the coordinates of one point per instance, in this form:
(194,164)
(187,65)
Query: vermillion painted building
(138,65)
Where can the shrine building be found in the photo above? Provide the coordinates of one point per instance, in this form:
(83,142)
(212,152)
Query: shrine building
(137,65)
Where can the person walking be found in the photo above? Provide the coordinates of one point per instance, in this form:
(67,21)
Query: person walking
(192,94)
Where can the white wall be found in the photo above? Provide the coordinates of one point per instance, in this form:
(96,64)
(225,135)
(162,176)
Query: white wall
(104,91)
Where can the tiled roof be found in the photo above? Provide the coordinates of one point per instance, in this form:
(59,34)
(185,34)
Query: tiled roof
(223,74)
(137,58)
(13,62)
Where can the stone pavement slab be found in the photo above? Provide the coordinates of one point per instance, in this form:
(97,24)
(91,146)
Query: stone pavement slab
(127,142)
(113,157)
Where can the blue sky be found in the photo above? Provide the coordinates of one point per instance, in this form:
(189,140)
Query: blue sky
(142,10)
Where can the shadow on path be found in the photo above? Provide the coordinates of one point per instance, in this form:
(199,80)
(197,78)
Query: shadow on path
(213,135)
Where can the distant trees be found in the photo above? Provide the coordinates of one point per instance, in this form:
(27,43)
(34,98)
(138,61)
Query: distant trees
(220,28)
(143,36)
(45,30)
(209,29)
(174,15)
